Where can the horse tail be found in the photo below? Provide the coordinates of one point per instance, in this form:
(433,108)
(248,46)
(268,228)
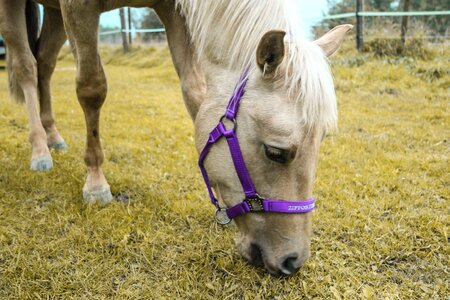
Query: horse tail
(32,25)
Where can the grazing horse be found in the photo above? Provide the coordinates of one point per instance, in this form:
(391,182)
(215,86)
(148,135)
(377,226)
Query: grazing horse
(250,49)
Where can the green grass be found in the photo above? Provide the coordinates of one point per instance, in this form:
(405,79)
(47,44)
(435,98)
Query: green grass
(380,230)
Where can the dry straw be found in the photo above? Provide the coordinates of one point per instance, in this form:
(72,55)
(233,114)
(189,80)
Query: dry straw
(380,230)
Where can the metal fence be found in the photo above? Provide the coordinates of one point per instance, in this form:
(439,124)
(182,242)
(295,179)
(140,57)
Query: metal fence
(387,14)
(358,14)
(141,36)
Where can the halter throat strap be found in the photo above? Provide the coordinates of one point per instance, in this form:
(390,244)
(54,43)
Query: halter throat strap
(252,201)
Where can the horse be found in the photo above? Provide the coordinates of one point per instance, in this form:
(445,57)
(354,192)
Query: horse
(251,49)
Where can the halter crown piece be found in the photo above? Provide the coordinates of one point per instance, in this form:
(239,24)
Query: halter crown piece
(252,201)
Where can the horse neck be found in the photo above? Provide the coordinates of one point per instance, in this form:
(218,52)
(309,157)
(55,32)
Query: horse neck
(220,80)
(227,33)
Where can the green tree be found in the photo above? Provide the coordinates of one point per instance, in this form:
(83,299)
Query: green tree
(150,20)
(436,23)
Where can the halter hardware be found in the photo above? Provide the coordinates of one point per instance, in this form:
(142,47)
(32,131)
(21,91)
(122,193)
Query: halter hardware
(232,120)
(221,216)
(253,202)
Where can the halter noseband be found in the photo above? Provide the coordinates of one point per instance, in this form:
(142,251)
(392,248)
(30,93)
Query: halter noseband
(252,202)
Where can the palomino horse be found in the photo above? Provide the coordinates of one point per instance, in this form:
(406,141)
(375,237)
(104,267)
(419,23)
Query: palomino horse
(248,48)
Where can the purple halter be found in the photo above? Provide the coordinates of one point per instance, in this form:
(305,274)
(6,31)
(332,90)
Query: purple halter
(252,202)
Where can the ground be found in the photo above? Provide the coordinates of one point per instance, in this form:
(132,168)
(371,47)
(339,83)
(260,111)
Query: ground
(382,188)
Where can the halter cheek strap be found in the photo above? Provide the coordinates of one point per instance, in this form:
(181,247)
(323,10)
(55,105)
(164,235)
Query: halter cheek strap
(252,202)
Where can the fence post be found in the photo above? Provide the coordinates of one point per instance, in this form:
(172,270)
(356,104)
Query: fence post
(123,27)
(404,29)
(359,25)
(129,26)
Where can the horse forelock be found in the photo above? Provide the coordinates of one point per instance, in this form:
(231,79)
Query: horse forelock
(228,33)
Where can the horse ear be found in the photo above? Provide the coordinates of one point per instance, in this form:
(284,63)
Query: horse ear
(270,52)
(332,40)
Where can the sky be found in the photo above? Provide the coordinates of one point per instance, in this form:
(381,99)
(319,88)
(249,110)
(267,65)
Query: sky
(310,13)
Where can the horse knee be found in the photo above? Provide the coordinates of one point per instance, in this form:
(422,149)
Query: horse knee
(92,93)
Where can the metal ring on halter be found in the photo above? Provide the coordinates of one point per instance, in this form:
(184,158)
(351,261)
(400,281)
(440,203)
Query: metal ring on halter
(221,216)
(232,120)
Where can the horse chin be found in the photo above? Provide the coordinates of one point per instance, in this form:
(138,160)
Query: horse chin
(253,253)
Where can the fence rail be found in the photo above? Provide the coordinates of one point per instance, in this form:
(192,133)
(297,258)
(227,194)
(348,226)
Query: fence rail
(357,14)
(338,16)
(387,14)
(154,30)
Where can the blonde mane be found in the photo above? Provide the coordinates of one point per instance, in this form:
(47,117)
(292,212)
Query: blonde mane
(228,33)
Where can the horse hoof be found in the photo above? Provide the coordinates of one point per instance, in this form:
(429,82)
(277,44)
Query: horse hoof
(41,164)
(59,146)
(102,194)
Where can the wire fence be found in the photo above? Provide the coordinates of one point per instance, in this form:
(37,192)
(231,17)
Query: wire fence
(356,14)
(133,31)
(387,14)
(359,15)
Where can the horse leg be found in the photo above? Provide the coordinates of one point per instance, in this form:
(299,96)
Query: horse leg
(51,40)
(81,20)
(23,70)
(193,85)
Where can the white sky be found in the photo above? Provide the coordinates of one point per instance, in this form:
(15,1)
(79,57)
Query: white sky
(310,13)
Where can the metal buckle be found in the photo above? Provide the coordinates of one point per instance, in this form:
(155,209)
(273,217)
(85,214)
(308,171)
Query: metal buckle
(255,204)
(233,120)
(221,216)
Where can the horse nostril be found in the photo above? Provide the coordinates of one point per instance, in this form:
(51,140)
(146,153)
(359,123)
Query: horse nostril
(256,254)
(290,265)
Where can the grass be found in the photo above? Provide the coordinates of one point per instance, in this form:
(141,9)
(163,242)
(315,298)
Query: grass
(380,232)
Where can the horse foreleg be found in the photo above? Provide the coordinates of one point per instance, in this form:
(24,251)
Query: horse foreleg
(51,40)
(81,20)
(23,70)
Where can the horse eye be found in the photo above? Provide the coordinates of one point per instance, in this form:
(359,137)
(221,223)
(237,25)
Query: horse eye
(276,154)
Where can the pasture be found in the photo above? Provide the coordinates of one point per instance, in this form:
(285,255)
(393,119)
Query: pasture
(382,188)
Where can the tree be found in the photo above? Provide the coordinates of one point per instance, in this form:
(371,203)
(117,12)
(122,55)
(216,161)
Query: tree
(123,26)
(382,5)
(150,20)
(436,23)
(405,19)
